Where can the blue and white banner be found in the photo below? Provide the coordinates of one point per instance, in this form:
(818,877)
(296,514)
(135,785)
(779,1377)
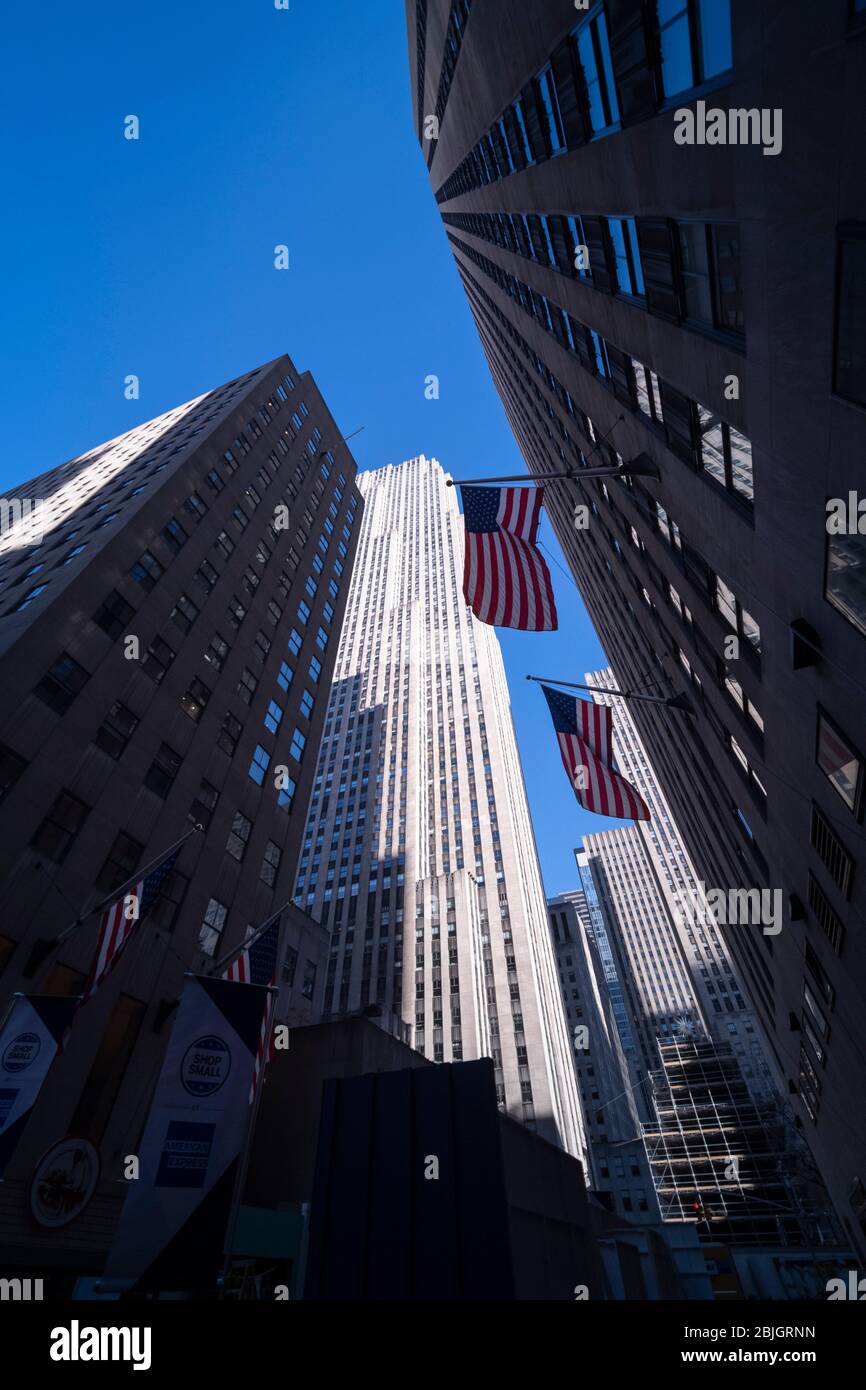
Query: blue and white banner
(29,1041)
(171,1231)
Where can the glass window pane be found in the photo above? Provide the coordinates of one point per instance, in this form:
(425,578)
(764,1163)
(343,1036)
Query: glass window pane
(715,36)
(839,763)
(846,577)
(712,445)
(677,74)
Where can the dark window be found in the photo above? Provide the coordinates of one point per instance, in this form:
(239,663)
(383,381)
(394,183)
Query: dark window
(229,734)
(841,765)
(194,700)
(215,481)
(174,536)
(593,49)
(218,651)
(845,578)
(694,38)
(203,807)
(59,828)
(239,835)
(11,767)
(195,507)
(235,613)
(711,275)
(207,575)
(224,544)
(158,659)
(184,613)
(146,571)
(308,988)
(116,730)
(60,685)
(270,864)
(114,614)
(726,455)
(163,770)
(164,911)
(120,863)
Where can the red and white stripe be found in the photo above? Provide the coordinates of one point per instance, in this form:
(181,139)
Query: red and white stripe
(506,581)
(115,930)
(606,792)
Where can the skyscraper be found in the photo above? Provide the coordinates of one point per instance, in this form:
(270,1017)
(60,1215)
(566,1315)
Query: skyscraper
(419,853)
(170,617)
(636,294)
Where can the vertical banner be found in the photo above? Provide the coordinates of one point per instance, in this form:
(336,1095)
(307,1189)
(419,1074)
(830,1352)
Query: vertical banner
(172,1228)
(29,1041)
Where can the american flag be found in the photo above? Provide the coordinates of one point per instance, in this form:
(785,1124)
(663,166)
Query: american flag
(118,926)
(506,581)
(585,734)
(257,965)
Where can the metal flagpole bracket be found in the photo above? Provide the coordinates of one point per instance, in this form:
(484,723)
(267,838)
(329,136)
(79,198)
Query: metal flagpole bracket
(677,702)
(640,467)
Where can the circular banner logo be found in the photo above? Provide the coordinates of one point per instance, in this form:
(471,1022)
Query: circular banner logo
(63,1182)
(21,1052)
(206,1066)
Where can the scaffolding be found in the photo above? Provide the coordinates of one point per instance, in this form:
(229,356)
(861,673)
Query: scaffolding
(734,1166)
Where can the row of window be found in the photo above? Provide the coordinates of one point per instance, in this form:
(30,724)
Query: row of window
(687,272)
(590,88)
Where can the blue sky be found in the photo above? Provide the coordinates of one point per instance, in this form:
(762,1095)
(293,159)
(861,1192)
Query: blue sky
(155,257)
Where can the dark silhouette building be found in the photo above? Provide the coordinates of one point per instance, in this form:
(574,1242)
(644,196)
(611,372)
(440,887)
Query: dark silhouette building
(663,244)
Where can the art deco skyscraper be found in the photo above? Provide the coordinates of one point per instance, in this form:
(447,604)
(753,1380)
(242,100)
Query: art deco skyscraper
(419,852)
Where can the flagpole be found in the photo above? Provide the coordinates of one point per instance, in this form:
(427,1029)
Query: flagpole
(680,702)
(245,945)
(118,892)
(640,467)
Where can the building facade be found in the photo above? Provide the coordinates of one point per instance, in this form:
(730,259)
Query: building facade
(167,637)
(419,854)
(643,292)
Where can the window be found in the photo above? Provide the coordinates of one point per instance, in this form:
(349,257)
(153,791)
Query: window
(273,717)
(217,652)
(158,659)
(726,455)
(11,767)
(114,614)
(71,555)
(207,575)
(307,701)
(28,598)
(626,254)
(845,577)
(116,730)
(240,518)
(60,685)
(259,765)
(286,794)
(215,481)
(212,927)
(239,835)
(648,394)
(195,507)
(315,669)
(308,988)
(174,536)
(229,734)
(850,361)
(120,864)
(235,613)
(224,544)
(295,641)
(163,770)
(303,613)
(270,864)
(298,743)
(184,613)
(711,275)
(247,686)
(694,42)
(284,676)
(593,50)
(55,835)
(203,807)
(321,638)
(550,103)
(194,700)
(841,765)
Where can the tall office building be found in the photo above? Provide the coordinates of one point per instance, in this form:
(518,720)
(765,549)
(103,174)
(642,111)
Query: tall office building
(645,873)
(419,852)
(698,305)
(616,1163)
(166,648)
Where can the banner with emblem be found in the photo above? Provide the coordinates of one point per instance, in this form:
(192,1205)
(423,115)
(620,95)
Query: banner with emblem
(30,1038)
(171,1231)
